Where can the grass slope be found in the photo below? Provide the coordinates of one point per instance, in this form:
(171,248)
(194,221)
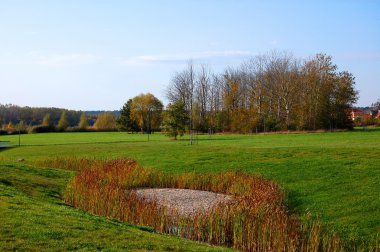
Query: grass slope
(33,217)
(334,175)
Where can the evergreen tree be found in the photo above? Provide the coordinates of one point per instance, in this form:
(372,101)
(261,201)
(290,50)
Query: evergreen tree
(125,121)
(175,119)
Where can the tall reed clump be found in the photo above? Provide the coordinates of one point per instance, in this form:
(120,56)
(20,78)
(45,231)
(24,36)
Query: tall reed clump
(256,220)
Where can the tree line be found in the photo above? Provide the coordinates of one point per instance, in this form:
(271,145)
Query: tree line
(14,118)
(143,113)
(10,113)
(270,92)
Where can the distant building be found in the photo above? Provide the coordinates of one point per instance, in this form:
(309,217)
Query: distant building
(356,113)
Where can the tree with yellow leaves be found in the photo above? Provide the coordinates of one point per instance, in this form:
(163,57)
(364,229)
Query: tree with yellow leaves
(146,111)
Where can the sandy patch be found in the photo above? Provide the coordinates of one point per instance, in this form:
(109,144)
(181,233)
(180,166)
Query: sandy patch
(187,202)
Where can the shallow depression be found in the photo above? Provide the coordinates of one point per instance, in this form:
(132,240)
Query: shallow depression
(186,201)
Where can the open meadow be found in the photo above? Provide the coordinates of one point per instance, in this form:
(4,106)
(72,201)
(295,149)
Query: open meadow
(330,175)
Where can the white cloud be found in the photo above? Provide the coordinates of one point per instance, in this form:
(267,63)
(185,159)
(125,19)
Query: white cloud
(182,57)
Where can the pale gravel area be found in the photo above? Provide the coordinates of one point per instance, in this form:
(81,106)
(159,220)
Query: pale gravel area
(187,202)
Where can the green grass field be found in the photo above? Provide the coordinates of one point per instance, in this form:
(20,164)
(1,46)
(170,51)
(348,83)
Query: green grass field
(33,217)
(332,175)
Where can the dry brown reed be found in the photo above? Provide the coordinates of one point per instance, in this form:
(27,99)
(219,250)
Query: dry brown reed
(257,220)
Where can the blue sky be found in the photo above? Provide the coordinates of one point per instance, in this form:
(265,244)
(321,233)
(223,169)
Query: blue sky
(97,54)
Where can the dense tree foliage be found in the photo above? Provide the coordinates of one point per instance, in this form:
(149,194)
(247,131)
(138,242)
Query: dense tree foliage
(267,93)
(146,111)
(34,116)
(63,122)
(83,122)
(271,92)
(175,119)
(46,121)
(32,119)
(125,121)
(106,122)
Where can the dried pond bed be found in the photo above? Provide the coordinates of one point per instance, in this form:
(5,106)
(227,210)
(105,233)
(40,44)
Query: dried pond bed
(185,202)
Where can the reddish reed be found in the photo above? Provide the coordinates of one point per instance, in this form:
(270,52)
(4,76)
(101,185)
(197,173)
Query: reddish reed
(257,220)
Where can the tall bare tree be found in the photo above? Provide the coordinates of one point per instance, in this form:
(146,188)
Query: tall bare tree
(202,90)
(275,91)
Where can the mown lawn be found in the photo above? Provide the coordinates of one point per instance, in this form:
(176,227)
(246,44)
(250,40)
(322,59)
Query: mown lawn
(332,175)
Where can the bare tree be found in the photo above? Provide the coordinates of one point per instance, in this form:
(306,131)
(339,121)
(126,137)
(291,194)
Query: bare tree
(275,91)
(215,101)
(203,84)
(181,88)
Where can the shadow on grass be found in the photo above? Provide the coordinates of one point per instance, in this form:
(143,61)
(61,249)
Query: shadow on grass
(5,148)
(4,145)
(294,201)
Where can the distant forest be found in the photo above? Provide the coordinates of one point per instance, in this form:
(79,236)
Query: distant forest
(270,92)
(30,116)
